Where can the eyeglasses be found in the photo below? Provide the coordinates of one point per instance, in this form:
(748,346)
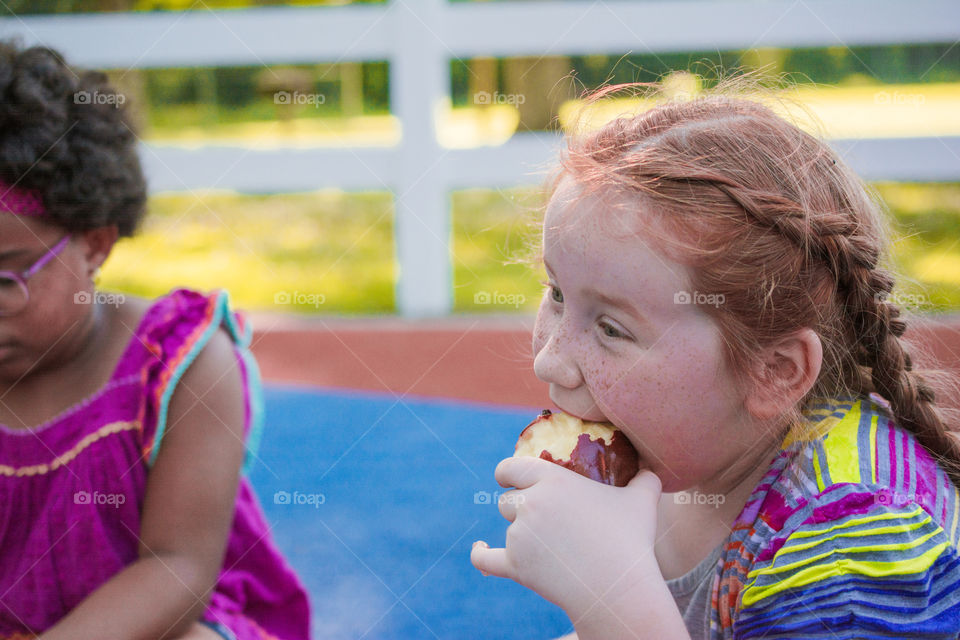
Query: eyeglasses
(14,293)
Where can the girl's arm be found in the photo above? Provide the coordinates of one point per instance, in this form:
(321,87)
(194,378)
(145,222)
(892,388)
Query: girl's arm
(187,513)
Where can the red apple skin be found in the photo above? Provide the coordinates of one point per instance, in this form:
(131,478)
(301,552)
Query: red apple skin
(614,464)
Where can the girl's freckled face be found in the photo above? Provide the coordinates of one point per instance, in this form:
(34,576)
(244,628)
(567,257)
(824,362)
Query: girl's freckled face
(615,344)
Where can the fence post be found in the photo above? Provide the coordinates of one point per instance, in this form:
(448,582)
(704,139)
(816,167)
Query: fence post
(419,85)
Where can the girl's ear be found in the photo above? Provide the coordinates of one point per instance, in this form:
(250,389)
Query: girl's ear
(97,244)
(790,368)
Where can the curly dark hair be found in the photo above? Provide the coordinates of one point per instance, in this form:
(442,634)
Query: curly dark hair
(65,133)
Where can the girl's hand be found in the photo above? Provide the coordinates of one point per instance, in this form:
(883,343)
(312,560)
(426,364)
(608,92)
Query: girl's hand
(583,545)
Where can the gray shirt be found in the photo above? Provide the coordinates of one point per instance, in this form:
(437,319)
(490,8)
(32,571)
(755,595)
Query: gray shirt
(692,592)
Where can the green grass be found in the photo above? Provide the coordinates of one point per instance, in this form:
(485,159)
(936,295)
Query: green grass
(327,252)
(332,252)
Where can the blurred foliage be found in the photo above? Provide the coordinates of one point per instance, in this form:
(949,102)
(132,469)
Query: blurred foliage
(340,246)
(926,246)
(939,62)
(183,97)
(325,251)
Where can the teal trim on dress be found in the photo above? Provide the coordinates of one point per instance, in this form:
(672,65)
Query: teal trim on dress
(254,390)
(255,396)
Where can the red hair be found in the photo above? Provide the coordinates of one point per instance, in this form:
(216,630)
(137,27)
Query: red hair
(772,219)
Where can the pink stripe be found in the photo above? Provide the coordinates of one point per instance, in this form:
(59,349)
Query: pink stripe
(907,471)
(892,452)
(854,503)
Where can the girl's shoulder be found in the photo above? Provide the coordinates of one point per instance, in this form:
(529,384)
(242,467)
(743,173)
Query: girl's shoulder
(173,332)
(851,455)
(855,525)
(169,331)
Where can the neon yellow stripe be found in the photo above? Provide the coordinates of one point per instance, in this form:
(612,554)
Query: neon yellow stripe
(873,447)
(752,594)
(902,546)
(879,531)
(886,515)
(816,469)
(840,447)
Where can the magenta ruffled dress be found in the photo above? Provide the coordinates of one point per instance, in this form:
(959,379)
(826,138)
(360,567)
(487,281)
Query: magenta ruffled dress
(72,489)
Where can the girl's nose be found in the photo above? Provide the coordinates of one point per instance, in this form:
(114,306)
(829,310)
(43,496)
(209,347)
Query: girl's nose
(555,364)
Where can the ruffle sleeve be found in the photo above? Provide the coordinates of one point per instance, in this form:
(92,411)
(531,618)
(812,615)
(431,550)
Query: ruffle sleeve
(179,327)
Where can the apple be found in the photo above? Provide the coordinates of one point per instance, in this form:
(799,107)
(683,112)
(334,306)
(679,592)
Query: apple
(597,450)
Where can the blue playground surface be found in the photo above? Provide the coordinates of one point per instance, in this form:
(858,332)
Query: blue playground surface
(376,500)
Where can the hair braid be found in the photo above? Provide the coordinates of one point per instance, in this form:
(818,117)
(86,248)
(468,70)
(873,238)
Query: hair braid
(877,324)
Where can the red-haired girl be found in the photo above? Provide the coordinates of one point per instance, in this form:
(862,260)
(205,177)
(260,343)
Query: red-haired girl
(716,291)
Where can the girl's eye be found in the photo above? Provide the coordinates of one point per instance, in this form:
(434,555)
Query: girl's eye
(610,331)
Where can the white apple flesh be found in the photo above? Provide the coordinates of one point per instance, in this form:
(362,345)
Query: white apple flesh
(596,450)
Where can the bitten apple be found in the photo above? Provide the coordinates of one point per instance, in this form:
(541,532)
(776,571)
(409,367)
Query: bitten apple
(596,450)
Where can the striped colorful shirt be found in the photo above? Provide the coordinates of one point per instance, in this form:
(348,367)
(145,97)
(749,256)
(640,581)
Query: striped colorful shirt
(852,533)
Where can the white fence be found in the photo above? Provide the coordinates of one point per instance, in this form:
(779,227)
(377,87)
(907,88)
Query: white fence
(418,38)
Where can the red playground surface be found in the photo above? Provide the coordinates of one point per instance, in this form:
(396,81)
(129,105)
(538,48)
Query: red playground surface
(469,358)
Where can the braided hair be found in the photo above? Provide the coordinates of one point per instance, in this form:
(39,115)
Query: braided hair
(769,217)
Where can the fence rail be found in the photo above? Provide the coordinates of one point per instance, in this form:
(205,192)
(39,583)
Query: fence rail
(419,38)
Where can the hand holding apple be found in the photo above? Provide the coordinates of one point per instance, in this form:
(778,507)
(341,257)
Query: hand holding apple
(583,545)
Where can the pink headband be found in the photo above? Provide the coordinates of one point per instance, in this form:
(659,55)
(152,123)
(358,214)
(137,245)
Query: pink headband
(21,202)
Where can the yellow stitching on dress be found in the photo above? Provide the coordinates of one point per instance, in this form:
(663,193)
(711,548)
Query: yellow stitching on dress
(59,461)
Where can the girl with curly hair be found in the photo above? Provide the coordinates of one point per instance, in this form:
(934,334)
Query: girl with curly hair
(125,428)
